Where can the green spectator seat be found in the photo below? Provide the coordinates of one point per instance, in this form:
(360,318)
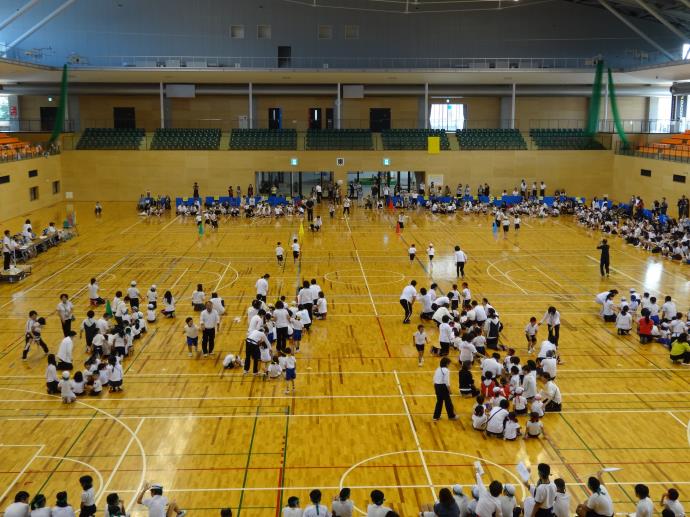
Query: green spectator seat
(339,139)
(204,139)
(490,139)
(105,138)
(412,139)
(564,139)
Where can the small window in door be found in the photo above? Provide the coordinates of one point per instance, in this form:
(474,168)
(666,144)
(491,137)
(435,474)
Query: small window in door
(56,187)
(33,194)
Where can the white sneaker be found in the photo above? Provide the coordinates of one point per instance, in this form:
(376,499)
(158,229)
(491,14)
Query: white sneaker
(189,354)
(205,355)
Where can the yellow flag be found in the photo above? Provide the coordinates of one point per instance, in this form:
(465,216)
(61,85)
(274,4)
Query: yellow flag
(301,230)
(434,144)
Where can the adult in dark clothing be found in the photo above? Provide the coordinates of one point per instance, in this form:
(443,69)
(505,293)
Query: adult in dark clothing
(446,505)
(604,260)
(467,386)
(310,209)
(196,190)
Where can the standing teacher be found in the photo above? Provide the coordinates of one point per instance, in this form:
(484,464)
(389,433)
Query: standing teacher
(442,389)
(604,260)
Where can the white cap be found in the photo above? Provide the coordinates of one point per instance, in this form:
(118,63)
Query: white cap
(519,389)
(537,396)
(457,489)
(156,486)
(475,491)
(632,289)
(65,375)
(153,287)
(497,389)
(140,314)
(509,489)
(133,283)
(150,306)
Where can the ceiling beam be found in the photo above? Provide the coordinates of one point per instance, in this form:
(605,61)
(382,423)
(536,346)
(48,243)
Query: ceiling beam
(18,13)
(41,23)
(637,31)
(651,10)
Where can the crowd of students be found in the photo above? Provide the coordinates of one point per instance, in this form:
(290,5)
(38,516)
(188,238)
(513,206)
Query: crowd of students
(157,504)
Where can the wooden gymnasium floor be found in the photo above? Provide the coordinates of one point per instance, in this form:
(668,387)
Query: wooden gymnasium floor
(361,416)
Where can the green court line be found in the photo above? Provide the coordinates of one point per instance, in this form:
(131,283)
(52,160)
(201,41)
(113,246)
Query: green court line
(74,442)
(282,469)
(249,457)
(141,350)
(591,451)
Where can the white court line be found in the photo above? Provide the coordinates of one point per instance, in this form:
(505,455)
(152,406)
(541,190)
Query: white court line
(415,436)
(224,416)
(220,279)
(636,280)
(113,266)
(178,279)
(678,420)
(131,226)
(119,462)
(87,465)
(367,487)
(493,264)
(63,268)
(380,372)
(361,267)
(166,226)
(108,416)
(326,397)
(21,472)
(552,279)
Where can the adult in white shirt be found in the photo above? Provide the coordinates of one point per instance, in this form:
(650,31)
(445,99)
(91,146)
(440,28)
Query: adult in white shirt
(599,503)
(460,259)
(445,336)
(64,353)
(479,312)
(65,312)
(442,389)
(549,364)
(497,420)
(133,294)
(281,316)
(645,506)
(209,319)
(491,364)
(553,320)
(254,340)
(315,290)
(407,298)
(601,297)
(376,508)
(546,347)
(305,299)
(467,351)
(552,394)
(608,311)
(20,506)
(262,287)
(529,382)
(668,309)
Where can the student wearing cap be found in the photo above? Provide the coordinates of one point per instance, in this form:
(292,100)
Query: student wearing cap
(152,296)
(509,506)
(158,504)
(133,294)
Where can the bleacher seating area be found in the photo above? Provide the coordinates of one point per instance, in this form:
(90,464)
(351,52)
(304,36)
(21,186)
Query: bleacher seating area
(412,139)
(263,139)
(485,139)
(110,138)
(339,139)
(564,139)
(186,139)
(12,148)
(676,147)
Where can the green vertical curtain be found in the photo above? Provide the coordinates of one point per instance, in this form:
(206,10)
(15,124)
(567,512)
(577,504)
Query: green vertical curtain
(595,101)
(614,111)
(60,119)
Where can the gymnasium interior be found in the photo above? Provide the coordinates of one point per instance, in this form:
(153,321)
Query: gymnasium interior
(119,103)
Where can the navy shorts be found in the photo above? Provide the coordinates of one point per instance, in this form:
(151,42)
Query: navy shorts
(192,341)
(290,374)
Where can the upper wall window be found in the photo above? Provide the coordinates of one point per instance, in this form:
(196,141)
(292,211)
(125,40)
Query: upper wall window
(325,31)
(4,111)
(237,31)
(263,32)
(352,32)
(686,51)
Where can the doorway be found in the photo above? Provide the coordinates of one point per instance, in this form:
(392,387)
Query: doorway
(379,119)
(124,118)
(275,118)
(364,183)
(315,121)
(330,121)
(48,118)
(284,57)
(292,184)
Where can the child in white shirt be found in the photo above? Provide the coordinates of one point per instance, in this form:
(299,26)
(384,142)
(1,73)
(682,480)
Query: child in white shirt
(537,406)
(479,418)
(66,389)
(290,370)
(280,254)
(431,252)
(151,313)
(274,370)
(531,334)
(519,401)
(321,307)
(412,252)
(192,333)
(419,339)
(534,428)
(512,428)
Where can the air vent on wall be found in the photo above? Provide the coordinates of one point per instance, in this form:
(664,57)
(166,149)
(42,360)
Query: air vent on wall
(33,173)
(325,32)
(679,178)
(646,172)
(4,179)
(237,32)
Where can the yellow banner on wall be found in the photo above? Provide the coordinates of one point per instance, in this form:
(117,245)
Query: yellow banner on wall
(434,144)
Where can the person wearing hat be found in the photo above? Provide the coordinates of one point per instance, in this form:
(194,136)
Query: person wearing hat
(152,296)
(158,504)
(460,499)
(509,506)
(133,294)
(66,389)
